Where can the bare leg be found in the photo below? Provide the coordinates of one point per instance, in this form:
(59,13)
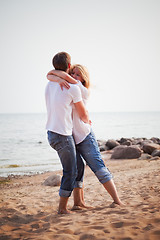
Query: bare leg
(111,188)
(78,194)
(82,193)
(78,200)
(63,206)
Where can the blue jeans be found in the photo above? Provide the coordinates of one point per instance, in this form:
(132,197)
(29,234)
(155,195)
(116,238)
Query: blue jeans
(89,150)
(65,147)
(80,171)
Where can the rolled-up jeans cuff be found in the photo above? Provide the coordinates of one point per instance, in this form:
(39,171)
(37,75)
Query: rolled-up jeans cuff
(64,193)
(78,184)
(103,175)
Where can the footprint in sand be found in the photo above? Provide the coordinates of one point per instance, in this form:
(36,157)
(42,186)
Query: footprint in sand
(117,212)
(148,227)
(156,220)
(122,224)
(66,231)
(86,222)
(117,224)
(97,227)
(157,232)
(155,235)
(87,237)
(21,207)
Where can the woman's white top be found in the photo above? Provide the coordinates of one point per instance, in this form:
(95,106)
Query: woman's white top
(80,129)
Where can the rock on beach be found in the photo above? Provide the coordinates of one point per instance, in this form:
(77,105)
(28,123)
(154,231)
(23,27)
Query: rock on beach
(126,152)
(53,180)
(111,143)
(156,153)
(131,147)
(150,147)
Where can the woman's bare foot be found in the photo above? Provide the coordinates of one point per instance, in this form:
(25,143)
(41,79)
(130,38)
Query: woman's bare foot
(64,211)
(75,208)
(116,204)
(80,207)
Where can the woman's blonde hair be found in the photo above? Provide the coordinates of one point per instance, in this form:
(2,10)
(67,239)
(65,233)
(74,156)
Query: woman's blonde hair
(84,74)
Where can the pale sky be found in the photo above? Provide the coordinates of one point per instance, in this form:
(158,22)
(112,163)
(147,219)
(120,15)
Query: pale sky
(117,40)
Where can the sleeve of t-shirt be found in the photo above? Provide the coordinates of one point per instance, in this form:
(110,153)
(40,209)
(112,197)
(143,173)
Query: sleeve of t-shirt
(75,93)
(84,90)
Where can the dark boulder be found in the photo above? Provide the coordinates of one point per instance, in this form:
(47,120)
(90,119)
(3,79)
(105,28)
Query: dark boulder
(127,143)
(156,153)
(126,152)
(155,140)
(112,143)
(102,145)
(122,140)
(150,147)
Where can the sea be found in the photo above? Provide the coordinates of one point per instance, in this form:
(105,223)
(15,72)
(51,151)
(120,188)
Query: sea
(24,149)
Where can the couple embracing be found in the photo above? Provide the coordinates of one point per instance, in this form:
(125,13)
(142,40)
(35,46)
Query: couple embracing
(69,131)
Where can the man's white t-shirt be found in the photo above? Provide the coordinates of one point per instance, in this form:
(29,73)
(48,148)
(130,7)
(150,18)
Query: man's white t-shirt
(59,107)
(80,129)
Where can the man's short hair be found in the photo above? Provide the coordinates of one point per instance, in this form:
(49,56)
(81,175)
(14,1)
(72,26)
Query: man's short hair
(61,60)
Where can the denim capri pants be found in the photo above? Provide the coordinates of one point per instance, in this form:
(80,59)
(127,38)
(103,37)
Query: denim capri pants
(88,150)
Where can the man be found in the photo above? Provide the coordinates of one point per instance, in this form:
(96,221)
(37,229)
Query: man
(59,126)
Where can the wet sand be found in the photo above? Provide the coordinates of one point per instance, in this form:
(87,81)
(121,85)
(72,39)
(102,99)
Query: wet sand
(29,209)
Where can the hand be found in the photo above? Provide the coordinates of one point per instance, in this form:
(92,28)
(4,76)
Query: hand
(90,122)
(63,84)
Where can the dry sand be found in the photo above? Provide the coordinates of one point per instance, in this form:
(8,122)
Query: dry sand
(29,209)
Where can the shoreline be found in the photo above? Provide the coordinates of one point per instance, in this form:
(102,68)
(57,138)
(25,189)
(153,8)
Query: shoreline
(144,145)
(29,209)
(20,176)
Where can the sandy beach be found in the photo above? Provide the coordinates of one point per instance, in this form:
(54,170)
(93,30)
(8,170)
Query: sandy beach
(29,209)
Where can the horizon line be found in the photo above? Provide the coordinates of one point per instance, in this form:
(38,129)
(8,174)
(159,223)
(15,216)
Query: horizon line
(143,111)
